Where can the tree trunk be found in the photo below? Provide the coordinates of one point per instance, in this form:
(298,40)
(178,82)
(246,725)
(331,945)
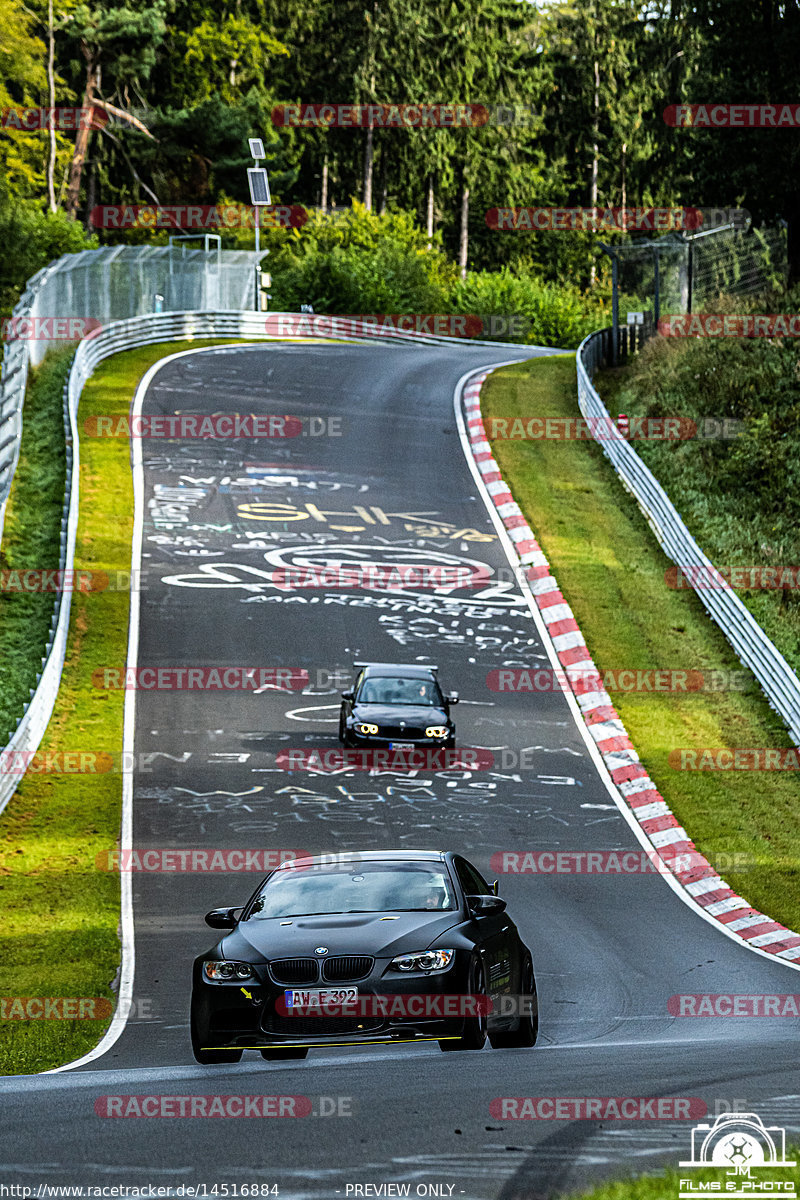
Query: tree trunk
(429,219)
(324,199)
(793,239)
(51,91)
(595,149)
(81,143)
(463,247)
(384,188)
(368,160)
(91,193)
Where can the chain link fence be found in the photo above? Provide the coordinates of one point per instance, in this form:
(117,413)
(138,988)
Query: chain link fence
(680,274)
(95,287)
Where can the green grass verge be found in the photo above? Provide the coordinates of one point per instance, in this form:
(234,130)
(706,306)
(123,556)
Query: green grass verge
(30,537)
(611,571)
(666,1184)
(60,912)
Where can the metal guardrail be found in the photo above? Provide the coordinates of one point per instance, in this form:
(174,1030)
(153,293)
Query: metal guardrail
(754,649)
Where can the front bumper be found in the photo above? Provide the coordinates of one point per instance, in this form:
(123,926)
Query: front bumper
(375,741)
(233,1019)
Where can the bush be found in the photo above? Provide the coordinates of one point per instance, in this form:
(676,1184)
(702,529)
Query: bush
(740,497)
(359,262)
(551,315)
(33,239)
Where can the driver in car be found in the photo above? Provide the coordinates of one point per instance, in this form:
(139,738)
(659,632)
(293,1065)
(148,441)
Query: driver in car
(429,896)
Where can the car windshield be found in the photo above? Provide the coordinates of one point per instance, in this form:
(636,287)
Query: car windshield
(375,887)
(390,689)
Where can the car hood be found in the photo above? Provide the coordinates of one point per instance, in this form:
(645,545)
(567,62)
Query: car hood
(393,714)
(342,933)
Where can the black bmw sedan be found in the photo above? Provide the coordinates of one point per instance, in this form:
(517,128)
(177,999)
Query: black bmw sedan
(383,946)
(396,705)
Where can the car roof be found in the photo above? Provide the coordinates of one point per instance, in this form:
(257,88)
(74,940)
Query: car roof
(367,856)
(399,670)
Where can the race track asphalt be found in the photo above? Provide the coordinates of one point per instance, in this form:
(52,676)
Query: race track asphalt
(386,480)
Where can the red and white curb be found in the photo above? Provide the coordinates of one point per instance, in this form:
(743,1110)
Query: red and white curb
(669,839)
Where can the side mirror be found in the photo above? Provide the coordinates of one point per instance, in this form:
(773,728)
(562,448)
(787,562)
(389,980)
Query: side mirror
(348,695)
(222,918)
(485,906)
(496,887)
(452,698)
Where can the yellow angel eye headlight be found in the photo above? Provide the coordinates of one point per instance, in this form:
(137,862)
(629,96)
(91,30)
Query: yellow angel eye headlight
(425,960)
(436,731)
(367,728)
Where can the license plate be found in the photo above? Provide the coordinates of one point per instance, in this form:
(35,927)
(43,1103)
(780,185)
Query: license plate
(401,745)
(316,997)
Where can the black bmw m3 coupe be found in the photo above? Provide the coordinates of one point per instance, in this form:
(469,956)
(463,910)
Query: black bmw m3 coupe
(383,946)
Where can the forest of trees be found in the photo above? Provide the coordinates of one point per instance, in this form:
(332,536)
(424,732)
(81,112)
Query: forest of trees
(184,84)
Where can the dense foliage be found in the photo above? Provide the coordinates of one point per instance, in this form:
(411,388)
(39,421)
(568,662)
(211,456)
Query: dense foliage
(740,495)
(584,84)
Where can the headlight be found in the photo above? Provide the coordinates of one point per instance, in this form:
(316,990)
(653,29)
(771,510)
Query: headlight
(366,728)
(436,731)
(219,972)
(426,960)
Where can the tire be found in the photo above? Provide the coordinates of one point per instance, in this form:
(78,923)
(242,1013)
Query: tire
(528,1026)
(473,1036)
(285,1052)
(201,1035)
